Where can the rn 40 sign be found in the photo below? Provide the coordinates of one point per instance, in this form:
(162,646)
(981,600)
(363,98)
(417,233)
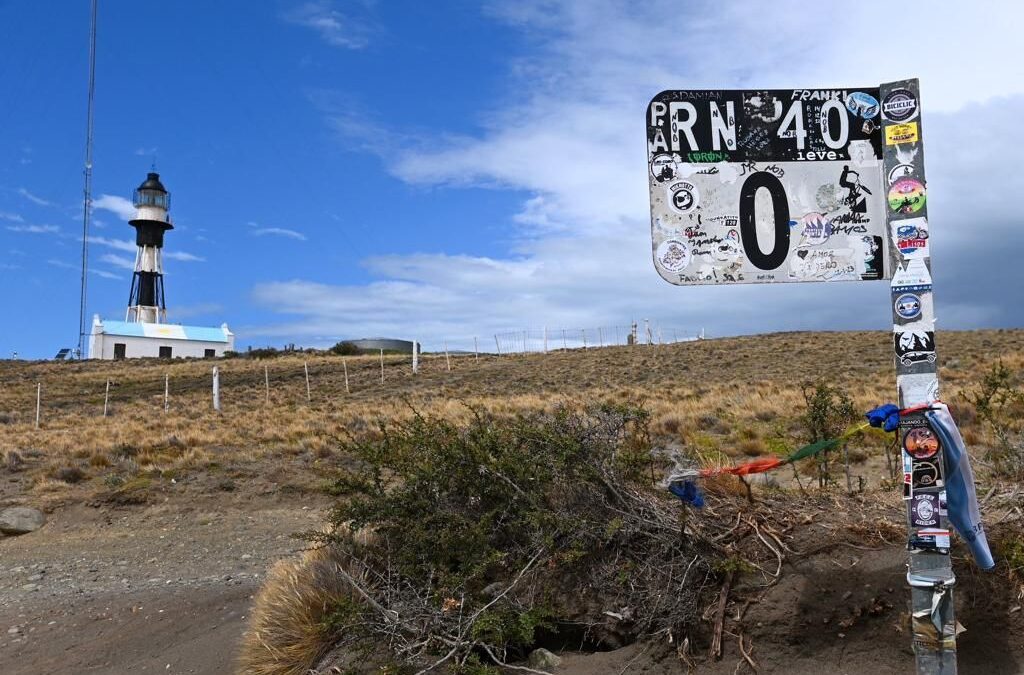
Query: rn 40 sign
(767,186)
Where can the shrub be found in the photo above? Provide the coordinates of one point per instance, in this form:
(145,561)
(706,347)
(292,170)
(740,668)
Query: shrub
(68,474)
(484,534)
(830,411)
(345,348)
(999,403)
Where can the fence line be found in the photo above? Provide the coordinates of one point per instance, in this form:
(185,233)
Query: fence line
(528,341)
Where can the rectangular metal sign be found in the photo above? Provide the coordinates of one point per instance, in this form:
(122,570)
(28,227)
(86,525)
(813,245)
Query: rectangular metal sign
(760,186)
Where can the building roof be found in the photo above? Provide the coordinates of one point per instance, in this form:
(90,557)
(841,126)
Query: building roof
(152,182)
(167,331)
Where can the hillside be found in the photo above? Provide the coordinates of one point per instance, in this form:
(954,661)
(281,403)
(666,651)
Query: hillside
(185,509)
(732,396)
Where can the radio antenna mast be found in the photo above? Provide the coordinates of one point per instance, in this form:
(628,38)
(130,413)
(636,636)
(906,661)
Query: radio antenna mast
(87,202)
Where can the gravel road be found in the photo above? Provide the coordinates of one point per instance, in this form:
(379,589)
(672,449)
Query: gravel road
(163,588)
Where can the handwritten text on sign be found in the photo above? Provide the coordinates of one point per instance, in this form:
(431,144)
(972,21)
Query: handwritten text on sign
(767,186)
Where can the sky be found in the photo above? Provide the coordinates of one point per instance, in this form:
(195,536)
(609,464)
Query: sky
(444,170)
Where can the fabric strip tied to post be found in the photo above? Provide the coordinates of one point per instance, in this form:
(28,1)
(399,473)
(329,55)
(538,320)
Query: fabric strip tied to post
(962,502)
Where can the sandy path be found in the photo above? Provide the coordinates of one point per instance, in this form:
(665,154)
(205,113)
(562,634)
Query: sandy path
(163,588)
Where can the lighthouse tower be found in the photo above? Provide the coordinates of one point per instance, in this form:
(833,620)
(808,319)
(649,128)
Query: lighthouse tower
(146,303)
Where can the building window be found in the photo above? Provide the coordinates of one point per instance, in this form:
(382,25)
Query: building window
(119,350)
(209,353)
(165,352)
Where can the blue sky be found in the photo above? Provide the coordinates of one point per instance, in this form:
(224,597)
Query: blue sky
(444,170)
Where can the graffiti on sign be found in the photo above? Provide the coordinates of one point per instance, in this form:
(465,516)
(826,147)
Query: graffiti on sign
(779,185)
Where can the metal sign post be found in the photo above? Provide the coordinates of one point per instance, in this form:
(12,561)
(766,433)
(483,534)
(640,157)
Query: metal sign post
(806,185)
(913,313)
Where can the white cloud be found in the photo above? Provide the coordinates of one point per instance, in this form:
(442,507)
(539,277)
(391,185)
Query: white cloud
(33,198)
(118,261)
(126,245)
(278,231)
(335,28)
(571,136)
(104,274)
(34,229)
(129,246)
(13,217)
(182,256)
(124,209)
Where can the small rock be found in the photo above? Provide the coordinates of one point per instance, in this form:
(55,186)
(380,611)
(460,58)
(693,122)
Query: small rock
(13,630)
(542,659)
(36,577)
(30,587)
(246,556)
(21,520)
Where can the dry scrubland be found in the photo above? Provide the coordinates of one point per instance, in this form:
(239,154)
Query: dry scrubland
(815,577)
(721,399)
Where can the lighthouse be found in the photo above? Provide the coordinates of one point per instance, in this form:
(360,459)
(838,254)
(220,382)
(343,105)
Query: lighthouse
(146,303)
(145,331)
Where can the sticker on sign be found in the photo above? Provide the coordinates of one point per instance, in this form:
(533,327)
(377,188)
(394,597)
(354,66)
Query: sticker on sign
(760,186)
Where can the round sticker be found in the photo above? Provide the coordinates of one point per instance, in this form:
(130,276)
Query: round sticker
(673,255)
(908,306)
(899,106)
(925,474)
(683,196)
(907,195)
(921,443)
(860,103)
(924,509)
(663,167)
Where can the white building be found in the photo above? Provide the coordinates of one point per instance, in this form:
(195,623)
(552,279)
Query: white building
(130,340)
(144,332)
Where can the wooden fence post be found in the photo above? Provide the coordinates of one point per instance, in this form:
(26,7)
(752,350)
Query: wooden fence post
(476,350)
(447,359)
(167,391)
(305,367)
(382,366)
(266,382)
(344,365)
(39,400)
(106,399)
(216,389)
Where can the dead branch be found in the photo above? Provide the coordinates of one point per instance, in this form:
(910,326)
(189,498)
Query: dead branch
(723,598)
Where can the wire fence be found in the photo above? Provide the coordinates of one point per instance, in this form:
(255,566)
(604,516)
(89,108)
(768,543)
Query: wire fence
(319,376)
(545,340)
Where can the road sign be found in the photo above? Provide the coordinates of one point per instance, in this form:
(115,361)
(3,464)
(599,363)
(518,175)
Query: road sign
(778,185)
(787,185)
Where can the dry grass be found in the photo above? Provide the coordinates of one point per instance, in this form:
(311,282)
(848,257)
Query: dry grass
(291,626)
(723,398)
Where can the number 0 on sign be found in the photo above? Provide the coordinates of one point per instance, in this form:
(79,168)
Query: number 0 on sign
(767,186)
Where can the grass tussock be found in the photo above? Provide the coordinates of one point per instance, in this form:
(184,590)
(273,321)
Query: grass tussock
(299,613)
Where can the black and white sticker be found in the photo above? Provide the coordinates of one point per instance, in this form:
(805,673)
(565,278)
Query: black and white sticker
(924,509)
(914,346)
(900,105)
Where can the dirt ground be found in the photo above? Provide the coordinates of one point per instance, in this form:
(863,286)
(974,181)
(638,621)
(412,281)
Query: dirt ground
(163,588)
